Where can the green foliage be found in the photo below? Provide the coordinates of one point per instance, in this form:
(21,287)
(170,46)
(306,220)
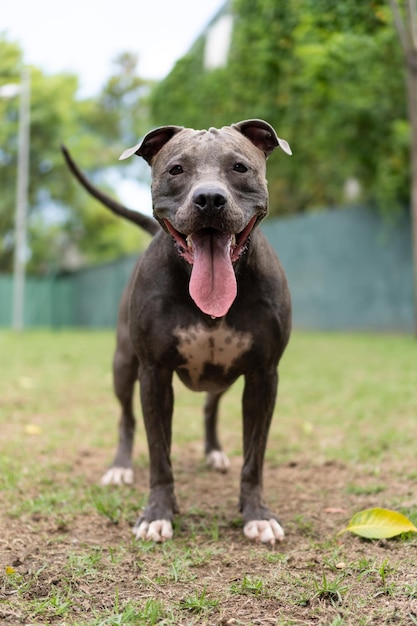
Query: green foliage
(328,76)
(64,223)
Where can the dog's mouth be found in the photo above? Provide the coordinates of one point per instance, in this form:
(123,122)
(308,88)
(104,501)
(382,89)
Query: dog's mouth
(212,254)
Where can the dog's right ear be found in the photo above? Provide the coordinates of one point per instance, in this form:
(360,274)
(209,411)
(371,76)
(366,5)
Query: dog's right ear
(152,143)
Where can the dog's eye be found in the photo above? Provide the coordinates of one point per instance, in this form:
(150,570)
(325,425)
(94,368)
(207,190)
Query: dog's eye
(177,169)
(239,167)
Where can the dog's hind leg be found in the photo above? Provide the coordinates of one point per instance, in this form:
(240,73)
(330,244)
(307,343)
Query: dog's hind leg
(215,456)
(125,373)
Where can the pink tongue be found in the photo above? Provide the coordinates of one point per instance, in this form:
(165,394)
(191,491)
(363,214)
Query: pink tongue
(213,282)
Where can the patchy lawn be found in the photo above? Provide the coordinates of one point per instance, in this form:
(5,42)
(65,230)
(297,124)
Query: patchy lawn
(343,439)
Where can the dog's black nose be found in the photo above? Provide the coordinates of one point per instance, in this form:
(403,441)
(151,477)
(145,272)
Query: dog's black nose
(209,199)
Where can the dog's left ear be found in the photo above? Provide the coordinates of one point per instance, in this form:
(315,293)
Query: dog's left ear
(262,135)
(152,143)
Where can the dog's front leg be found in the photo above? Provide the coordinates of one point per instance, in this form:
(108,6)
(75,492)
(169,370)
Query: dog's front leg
(157,405)
(258,406)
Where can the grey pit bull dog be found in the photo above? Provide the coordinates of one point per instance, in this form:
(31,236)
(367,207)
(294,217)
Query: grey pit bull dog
(208,300)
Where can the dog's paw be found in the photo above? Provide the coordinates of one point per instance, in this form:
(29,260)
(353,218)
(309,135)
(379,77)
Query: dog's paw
(160,530)
(265,531)
(217,460)
(118,476)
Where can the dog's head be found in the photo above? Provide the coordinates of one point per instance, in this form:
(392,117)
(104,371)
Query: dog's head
(209,191)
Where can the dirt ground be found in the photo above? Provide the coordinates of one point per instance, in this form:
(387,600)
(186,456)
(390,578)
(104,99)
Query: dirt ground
(313,577)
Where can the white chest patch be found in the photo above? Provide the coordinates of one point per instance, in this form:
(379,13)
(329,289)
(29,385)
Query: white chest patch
(201,346)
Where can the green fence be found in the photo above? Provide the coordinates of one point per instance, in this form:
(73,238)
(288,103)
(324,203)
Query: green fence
(40,295)
(348,269)
(87,298)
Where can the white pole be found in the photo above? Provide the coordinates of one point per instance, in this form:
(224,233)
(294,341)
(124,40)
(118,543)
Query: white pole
(20,250)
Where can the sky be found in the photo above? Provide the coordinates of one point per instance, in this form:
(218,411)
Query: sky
(84,36)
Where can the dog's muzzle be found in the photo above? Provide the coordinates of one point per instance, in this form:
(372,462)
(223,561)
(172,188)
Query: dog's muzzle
(212,255)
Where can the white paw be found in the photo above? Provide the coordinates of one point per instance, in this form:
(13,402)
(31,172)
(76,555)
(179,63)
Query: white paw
(118,476)
(218,460)
(265,531)
(160,530)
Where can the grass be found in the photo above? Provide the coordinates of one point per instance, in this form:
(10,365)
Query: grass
(331,591)
(198,602)
(343,439)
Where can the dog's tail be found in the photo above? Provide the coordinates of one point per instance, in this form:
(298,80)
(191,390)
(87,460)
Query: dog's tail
(147,223)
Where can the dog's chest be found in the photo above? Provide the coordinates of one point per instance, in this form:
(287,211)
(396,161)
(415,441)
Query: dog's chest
(208,350)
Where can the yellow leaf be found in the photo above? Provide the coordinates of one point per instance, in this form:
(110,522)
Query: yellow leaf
(25,382)
(379,524)
(33,429)
(308,428)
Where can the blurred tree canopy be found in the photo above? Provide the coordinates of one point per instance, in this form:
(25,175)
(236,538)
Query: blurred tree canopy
(328,76)
(65,225)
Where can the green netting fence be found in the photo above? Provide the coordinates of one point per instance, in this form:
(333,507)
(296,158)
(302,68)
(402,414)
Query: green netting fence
(348,269)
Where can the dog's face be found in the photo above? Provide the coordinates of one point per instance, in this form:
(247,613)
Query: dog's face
(209,191)
(209,179)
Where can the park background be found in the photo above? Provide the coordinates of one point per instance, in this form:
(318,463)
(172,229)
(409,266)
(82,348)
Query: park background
(329,78)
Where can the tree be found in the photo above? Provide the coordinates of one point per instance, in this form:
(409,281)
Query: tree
(66,226)
(327,76)
(407,32)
